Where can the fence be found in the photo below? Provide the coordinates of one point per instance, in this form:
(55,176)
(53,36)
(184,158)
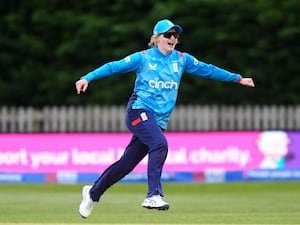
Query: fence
(111,118)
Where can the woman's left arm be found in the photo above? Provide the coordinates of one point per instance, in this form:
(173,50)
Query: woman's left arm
(198,68)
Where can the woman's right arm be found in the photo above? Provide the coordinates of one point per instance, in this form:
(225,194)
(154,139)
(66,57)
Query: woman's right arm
(125,65)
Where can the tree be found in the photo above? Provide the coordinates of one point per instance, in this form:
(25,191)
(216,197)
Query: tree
(47,45)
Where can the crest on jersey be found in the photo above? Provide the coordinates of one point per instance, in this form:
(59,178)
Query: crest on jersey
(175,67)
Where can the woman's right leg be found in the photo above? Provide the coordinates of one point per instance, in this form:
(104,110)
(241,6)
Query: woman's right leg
(134,153)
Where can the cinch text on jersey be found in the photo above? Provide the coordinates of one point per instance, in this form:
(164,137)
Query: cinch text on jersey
(156,83)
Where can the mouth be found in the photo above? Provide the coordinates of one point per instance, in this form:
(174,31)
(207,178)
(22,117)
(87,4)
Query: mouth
(171,44)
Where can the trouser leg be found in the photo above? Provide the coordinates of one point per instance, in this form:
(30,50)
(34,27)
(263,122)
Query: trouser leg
(144,125)
(148,138)
(134,153)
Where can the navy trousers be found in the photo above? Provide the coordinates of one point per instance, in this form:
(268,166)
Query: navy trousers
(148,138)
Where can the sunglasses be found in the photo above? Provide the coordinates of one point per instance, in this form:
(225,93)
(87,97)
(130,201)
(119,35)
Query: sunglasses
(168,35)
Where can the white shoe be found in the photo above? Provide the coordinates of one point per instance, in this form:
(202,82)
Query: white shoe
(155,202)
(87,204)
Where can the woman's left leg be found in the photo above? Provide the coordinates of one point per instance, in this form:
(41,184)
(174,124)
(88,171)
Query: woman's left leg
(144,126)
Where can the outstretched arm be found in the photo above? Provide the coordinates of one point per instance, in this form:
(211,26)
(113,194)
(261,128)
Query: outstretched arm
(202,69)
(128,64)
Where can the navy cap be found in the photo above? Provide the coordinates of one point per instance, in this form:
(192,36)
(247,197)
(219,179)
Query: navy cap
(163,26)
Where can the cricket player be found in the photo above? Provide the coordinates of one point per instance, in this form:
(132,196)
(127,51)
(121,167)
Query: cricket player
(158,72)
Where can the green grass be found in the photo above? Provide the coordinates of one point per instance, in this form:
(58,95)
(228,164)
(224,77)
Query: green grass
(197,203)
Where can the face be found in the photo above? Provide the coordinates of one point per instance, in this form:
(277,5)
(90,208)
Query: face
(167,42)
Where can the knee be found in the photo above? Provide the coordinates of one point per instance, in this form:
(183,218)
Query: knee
(161,145)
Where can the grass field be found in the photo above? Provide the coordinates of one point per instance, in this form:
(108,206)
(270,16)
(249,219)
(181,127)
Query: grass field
(197,203)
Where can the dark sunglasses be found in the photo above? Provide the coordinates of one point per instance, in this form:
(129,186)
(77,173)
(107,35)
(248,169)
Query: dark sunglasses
(168,35)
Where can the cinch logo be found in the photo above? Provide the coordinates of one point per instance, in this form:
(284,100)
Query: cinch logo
(156,83)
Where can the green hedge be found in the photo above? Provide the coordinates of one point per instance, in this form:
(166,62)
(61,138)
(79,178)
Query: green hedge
(47,45)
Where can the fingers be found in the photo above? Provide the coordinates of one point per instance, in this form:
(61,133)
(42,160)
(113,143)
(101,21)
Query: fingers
(81,86)
(247,82)
(78,87)
(250,82)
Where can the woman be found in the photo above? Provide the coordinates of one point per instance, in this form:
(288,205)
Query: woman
(158,73)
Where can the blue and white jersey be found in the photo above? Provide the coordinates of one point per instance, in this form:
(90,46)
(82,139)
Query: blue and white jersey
(158,78)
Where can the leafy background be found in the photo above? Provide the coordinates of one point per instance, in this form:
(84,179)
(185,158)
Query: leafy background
(45,46)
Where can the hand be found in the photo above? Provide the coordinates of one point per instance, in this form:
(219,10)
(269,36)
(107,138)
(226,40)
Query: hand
(81,85)
(247,82)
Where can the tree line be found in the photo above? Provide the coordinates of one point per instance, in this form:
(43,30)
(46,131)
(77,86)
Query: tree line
(47,45)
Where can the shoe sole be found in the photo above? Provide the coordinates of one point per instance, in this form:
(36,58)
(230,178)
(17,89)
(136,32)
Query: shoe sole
(83,217)
(165,207)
